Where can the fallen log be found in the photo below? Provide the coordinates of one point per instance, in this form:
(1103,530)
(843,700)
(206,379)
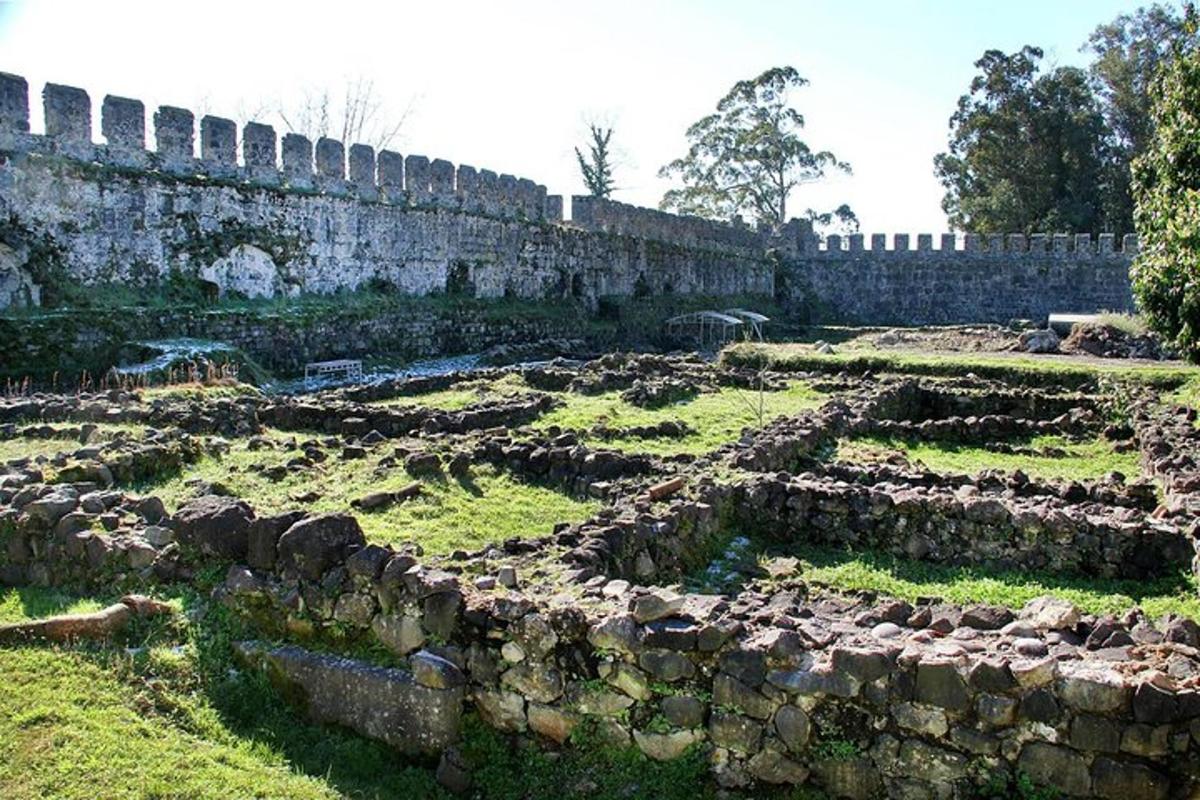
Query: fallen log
(380,500)
(665,489)
(96,625)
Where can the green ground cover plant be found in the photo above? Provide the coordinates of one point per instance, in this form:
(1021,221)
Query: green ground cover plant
(909,579)
(448,515)
(716,418)
(29,447)
(465,394)
(1051,456)
(1017,368)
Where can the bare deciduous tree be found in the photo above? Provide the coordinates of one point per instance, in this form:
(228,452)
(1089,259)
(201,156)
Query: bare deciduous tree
(360,117)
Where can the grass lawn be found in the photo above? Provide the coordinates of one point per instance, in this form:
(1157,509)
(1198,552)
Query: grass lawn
(198,391)
(70,729)
(1021,368)
(21,447)
(448,514)
(171,718)
(1087,460)
(716,418)
(908,580)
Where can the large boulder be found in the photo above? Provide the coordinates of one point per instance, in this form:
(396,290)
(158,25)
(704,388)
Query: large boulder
(214,525)
(1041,341)
(314,544)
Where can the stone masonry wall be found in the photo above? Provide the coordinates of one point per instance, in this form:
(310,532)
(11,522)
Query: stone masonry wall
(969,279)
(74,211)
(71,342)
(295,217)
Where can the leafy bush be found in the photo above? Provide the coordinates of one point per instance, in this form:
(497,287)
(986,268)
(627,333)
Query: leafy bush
(1166,184)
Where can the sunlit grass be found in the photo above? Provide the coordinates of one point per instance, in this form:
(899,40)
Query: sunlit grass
(908,579)
(1085,460)
(23,447)
(1021,368)
(198,391)
(20,605)
(448,514)
(716,418)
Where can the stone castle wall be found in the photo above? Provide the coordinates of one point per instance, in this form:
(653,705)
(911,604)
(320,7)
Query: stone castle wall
(293,217)
(967,279)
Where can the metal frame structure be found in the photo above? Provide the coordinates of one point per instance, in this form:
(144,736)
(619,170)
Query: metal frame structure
(708,327)
(350,370)
(755,320)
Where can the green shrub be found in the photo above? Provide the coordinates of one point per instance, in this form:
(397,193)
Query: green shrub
(1166,186)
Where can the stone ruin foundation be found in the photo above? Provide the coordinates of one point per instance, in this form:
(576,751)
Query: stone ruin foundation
(777,680)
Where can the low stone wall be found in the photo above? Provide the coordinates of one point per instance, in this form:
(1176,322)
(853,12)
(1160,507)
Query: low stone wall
(68,343)
(844,708)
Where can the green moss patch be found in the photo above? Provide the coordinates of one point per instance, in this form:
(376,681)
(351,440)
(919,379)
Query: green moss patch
(30,447)
(465,394)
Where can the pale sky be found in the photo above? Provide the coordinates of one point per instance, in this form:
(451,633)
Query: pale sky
(508,85)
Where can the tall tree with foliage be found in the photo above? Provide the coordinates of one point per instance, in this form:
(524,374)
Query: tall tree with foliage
(748,157)
(1027,150)
(596,167)
(1128,53)
(1166,191)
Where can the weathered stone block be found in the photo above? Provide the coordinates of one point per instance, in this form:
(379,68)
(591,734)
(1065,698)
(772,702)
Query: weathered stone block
(68,114)
(362,170)
(417,179)
(441,179)
(218,145)
(732,693)
(174,135)
(258,151)
(940,684)
(123,123)
(390,169)
(1090,732)
(552,722)
(666,746)
(737,733)
(331,165)
(14,104)
(503,710)
(384,704)
(1058,767)
(297,161)
(1117,780)
(1097,693)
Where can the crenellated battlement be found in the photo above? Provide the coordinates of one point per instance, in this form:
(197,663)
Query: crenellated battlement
(951,245)
(259,215)
(599,214)
(327,166)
